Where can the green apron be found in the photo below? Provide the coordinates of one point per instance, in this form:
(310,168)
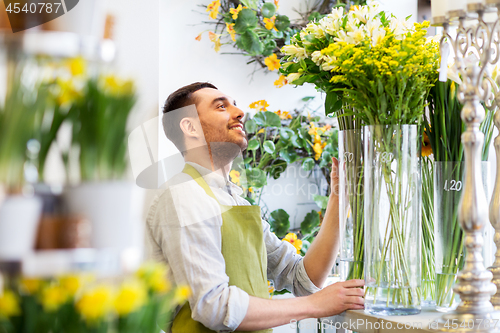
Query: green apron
(244,253)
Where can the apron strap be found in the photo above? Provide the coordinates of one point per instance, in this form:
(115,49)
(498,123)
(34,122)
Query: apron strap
(191,171)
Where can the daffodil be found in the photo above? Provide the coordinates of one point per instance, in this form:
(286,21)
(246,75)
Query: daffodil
(213,9)
(272,62)
(95,303)
(72,283)
(155,277)
(53,297)
(181,295)
(77,66)
(280,82)
(9,304)
(259,105)
(116,86)
(30,286)
(131,296)
(292,239)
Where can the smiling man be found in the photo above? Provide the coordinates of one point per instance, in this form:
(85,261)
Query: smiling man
(216,242)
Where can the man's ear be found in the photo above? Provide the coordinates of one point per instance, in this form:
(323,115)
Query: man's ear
(187,126)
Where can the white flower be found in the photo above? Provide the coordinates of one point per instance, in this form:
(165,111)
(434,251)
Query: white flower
(377,36)
(373,25)
(357,35)
(361,13)
(327,66)
(292,77)
(315,30)
(400,28)
(298,52)
(317,57)
(337,13)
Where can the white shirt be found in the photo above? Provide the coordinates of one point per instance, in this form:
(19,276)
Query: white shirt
(184,230)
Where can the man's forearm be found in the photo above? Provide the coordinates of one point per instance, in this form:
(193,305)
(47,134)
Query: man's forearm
(321,256)
(265,313)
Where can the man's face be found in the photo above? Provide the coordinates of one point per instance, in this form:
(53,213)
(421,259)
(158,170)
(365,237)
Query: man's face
(220,119)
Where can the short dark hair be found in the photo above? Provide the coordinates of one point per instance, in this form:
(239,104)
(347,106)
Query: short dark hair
(178,99)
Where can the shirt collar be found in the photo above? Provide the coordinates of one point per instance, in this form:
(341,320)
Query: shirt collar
(214,179)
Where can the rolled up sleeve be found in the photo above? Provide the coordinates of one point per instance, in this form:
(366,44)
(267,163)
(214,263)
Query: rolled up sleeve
(190,240)
(285,267)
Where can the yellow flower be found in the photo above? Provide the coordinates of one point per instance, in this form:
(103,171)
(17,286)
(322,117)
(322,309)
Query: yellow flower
(155,277)
(95,303)
(283,114)
(213,8)
(53,297)
(117,87)
(131,296)
(9,304)
(235,177)
(262,130)
(269,23)
(259,105)
(272,62)
(318,149)
(67,93)
(71,284)
(270,288)
(216,39)
(280,82)
(235,11)
(292,239)
(30,286)
(250,189)
(77,66)
(230,30)
(181,294)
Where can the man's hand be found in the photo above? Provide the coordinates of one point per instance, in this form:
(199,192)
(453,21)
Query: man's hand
(330,301)
(337,298)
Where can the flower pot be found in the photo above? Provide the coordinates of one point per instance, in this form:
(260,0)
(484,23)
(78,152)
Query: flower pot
(449,236)
(19,217)
(351,204)
(114,210)
(392,208)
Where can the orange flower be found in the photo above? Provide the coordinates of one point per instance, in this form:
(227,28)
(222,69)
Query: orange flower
(213,8)
(198,38)
(272,62)
(280,82)
(259,105)
(283,114)
(269,23)
(276,4)
(216,39)
(230,30)
(426,146)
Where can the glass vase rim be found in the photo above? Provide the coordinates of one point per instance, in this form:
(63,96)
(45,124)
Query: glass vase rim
(403,126)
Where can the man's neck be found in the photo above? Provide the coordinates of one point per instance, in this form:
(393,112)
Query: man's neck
(202,156)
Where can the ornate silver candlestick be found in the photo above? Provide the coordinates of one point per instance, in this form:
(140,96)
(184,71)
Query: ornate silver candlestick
(474,50)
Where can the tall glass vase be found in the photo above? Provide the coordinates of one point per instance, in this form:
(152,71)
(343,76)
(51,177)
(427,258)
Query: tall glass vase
(392,208)
(428,285)
(351,204)
(449,237)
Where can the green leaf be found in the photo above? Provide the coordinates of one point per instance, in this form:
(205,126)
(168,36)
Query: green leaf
(321,200)
(296,141)
(269,147)
(268,10)
(307,98)
(289,155)
(277,167)
(269,47)
(333,103)
(308,164)
(286,133)
(256,178)
(250,126)
(282,22)
(247,160)
(253,144)
(267,119)
(249,41)
(310,222)
(247,19)
(280,222)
